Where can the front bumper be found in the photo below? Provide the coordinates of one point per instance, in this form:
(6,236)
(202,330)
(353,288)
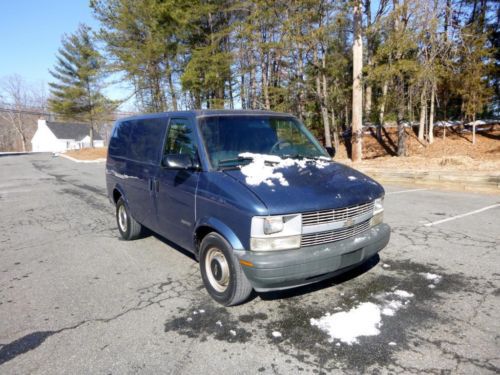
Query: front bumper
(276,270)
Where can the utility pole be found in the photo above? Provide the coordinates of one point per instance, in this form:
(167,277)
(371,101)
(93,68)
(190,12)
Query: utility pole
(357,88)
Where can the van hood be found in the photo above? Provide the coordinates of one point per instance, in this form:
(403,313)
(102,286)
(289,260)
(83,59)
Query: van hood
(292,186)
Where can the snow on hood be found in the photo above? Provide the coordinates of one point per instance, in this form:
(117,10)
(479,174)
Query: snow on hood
(264,169)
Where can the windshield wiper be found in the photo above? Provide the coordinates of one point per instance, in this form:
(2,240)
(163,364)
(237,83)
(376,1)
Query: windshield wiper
(301,157)
(238,161)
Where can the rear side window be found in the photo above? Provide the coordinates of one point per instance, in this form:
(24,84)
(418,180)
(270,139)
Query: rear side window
(147,139)
(181,139)
(120,139)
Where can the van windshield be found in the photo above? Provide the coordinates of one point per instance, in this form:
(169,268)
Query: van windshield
(226,137)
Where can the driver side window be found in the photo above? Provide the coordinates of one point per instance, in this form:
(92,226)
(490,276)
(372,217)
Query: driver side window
(180,139)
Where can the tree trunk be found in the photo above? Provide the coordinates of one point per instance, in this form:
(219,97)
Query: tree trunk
(357,88)
(431,115)
(368,102)
(253,85)
(474,129)
(401,139)
(320,91)
(17,122)
(369,60)
(265,84)
(324,109)
(23,138)
(230,89)
(242,92)
(381,115)
(300,65)
(423,114)
(335,132)
(264,70)
(91,135)
(401,126)
(172,91)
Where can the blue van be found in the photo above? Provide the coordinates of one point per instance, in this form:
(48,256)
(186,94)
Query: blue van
(252,194)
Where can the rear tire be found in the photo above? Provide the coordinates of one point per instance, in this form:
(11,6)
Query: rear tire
(221,271)
(128,227)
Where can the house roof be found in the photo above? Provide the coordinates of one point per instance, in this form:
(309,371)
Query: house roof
(63,130)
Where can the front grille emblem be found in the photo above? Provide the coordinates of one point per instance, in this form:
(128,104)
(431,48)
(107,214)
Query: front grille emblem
(348,223)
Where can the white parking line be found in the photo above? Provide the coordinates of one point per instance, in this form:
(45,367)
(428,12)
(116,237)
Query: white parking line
(462,215)
(403,191)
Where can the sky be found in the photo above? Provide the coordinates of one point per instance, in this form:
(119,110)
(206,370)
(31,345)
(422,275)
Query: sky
(31,32)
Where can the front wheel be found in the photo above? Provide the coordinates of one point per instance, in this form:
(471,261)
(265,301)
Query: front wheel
(221,272)
(128,227)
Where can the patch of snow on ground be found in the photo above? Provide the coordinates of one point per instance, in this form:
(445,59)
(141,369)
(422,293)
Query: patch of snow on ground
(263,168)
(432,277)
(392,343)
(431,286)
(385,265)
(391,307)
(347,326)
(403,293)
(219,323)
(363,320)
(232,332)
(276,334)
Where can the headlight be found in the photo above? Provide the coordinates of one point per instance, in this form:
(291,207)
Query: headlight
(275,243)
(377,219)
(275,232)
(378,212)
(273,224)
(378,205)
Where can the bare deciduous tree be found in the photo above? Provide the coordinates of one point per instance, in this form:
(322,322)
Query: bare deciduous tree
(20,100)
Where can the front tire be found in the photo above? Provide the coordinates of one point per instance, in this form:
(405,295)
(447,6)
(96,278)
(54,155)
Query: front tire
(128,227)
(221,272)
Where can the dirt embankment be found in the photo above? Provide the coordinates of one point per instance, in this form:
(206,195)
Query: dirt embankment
(88,153)
(455,152)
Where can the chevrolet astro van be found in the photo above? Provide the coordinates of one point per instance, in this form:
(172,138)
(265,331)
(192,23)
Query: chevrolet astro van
(252,194)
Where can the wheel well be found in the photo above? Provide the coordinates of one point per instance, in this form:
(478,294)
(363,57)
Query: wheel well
(200,233)
(116,195)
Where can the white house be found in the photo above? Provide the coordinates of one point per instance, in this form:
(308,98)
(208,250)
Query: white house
(60,136)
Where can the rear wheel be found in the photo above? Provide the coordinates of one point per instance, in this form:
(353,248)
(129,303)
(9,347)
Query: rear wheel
(128,227)
(221,272)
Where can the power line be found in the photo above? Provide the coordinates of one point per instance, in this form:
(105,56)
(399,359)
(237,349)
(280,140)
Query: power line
(114,115)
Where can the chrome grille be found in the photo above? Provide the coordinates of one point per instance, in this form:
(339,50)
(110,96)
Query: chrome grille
(339,214)
(334,235)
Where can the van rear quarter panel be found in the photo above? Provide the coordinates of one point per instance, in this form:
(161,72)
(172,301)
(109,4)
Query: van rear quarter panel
(133,160)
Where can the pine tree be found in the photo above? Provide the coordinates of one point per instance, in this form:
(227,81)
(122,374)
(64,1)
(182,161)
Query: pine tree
(79,72)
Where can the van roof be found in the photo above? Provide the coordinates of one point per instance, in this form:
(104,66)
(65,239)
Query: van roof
(208,112)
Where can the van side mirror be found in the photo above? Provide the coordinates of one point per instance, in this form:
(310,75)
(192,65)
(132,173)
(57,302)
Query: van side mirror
(177,161)
(331,151)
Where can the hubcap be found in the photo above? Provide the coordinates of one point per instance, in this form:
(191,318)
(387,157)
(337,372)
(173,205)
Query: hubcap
(122,218)
(217,269)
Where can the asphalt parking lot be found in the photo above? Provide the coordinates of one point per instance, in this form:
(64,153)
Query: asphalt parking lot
(76,299)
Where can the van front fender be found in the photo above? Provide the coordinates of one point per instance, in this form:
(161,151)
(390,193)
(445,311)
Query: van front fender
(221,228)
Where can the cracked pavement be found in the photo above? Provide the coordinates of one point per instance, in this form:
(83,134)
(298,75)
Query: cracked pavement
(76,299)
